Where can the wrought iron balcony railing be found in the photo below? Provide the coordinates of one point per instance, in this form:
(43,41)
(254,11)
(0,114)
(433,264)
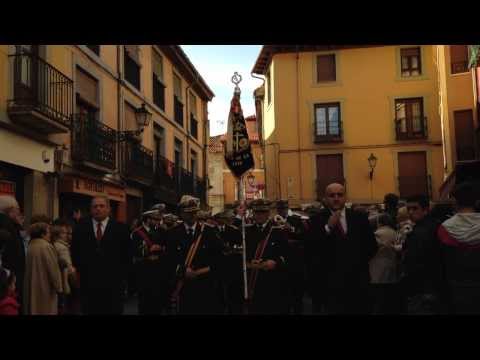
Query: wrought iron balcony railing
(93,142)
(411,128)
(42,95)
(137,160)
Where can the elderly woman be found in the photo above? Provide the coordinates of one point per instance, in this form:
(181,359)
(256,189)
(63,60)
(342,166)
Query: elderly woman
(61,242)
(43,280)
(383,267)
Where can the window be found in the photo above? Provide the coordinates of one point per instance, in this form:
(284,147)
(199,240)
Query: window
(129,116)
(94,48)
(326,68)
(159,143)
(158,87)
(178,154)
(193,104)
(131,63)
(410,122)
(269,88)
(193,127)
(177,100)
(327,122)
(193,164)
(86,88)
(459,58)
(410,62)
(177,86)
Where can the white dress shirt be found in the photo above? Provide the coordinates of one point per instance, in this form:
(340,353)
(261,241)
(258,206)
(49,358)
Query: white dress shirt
(103,225)
(193,227)
(343,222)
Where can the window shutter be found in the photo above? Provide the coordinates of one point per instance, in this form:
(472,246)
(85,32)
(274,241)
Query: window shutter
(410,51)
(326,68)
(157,65)
(130,121)
(87,87)
(177,86)
(193,104)
(133,52)
(459,58)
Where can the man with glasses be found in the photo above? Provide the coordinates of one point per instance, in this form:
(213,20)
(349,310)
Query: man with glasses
(422,268)
(339,246)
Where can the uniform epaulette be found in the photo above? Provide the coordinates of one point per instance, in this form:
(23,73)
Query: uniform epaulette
(209,225)
(234,227)
(248,225)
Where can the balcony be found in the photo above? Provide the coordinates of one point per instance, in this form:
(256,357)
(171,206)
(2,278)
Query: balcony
(137,161)
(93,143)
(329,138)
(415,185)
(42,95)
(411,128)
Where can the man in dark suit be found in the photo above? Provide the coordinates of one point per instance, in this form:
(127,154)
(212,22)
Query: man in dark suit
(340,244)
(196,251)
(101,253)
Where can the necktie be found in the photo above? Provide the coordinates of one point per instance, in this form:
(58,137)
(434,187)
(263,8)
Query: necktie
(99,232)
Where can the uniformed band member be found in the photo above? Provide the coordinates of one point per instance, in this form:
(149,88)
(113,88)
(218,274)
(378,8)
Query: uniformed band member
(295,230)
(197,252)
(149,251)
(232,263)
(169,221)
(267,248)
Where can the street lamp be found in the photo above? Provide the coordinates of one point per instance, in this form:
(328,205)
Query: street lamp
(372,162)
(143,117)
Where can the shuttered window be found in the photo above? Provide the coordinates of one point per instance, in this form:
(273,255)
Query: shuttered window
(326,68)
(157,65)
(87,87)
(459,58)
(133,52)
(131,65)
(193,104)
(177,86)
(130,121)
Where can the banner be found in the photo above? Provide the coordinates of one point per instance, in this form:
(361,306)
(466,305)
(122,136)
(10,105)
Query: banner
(238,152)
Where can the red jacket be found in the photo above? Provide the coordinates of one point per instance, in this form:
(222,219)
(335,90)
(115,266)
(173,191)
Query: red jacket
(9,306)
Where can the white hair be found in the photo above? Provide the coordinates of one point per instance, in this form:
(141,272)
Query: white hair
(7,202)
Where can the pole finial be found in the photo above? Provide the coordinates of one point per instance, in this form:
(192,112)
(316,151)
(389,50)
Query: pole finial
(237,79)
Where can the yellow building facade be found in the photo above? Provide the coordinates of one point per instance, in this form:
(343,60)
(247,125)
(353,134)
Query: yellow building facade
(83,105)
(326,109)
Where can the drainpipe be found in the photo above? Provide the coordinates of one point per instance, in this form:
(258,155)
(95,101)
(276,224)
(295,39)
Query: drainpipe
(298,124)
(119,120)
(187,98)
(262,142)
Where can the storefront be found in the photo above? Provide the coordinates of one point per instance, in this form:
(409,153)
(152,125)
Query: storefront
(25,166)
(76,192)
(12,181)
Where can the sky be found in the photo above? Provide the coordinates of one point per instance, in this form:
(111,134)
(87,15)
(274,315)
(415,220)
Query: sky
(217,64)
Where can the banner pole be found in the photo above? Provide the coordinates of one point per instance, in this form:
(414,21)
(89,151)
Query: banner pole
(244,248)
